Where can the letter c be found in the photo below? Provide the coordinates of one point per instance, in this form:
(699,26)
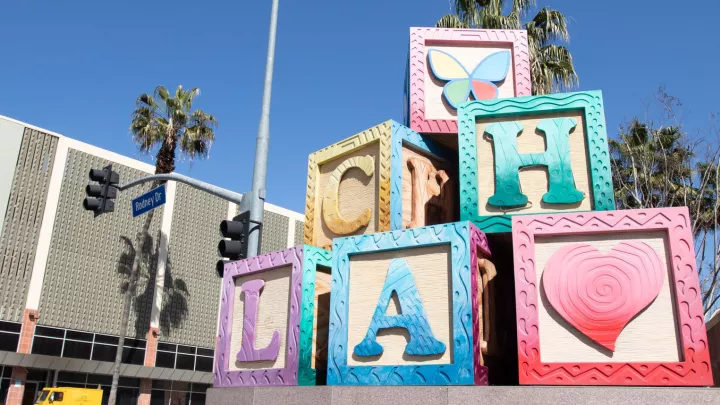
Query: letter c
(331,214)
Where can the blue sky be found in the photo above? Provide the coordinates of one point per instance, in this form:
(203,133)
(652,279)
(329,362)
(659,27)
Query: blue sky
(77,67)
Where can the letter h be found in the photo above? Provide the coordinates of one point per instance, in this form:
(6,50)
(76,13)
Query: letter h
(508,162)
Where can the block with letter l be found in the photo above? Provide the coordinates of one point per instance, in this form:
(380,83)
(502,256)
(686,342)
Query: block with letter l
(406,307)
(273,329)
(531,155)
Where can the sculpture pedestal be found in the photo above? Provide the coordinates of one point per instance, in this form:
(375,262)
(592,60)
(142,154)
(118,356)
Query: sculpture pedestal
(460,395)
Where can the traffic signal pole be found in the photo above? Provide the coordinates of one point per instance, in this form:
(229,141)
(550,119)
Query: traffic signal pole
(200,185)
(257,195)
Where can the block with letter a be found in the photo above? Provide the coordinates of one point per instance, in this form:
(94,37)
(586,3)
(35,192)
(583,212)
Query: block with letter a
(406,307)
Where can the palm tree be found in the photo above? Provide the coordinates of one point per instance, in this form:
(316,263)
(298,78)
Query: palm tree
(551,64)
(164,122)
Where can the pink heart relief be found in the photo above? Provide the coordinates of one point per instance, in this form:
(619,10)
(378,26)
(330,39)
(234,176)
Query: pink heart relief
(600,293)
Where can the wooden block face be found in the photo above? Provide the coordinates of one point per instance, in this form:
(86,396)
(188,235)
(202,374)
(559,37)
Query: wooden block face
(402,307)
(321,322)
(314,318)
(528,155)
(431,268)
(450,66)
(534,179)
(609,298)
(428,189)
(651,337)
(348,189)
(272,317)
(356,195)
(259,332)
(468,56)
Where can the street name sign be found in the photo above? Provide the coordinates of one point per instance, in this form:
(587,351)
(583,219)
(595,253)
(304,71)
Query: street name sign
(148,201)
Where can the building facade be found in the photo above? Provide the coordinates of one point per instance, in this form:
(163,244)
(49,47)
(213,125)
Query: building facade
(62,273)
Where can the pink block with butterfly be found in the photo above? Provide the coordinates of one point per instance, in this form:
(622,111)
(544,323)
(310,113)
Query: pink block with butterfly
(451,66)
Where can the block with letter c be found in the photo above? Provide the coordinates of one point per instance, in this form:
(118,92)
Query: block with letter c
(385,178)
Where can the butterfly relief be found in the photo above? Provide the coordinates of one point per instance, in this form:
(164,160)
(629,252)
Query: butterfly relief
(481,82)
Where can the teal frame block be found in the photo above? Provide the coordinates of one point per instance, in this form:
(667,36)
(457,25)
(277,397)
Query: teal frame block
(590,102)
(404,135)
(312,258)
(461,237)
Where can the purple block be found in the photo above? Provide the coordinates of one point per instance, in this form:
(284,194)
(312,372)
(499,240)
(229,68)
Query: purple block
(288,375)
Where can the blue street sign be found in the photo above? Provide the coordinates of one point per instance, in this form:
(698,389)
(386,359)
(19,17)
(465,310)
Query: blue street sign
(148,201)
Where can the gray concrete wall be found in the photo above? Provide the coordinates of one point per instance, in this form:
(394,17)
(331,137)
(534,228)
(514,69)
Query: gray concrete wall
(88,260)
(299,232)
(275,232)
(189,317)
(11,135)
(23,212)
(461,395)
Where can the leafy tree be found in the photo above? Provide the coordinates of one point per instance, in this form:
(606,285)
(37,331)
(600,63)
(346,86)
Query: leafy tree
(551,64)
(655,163)
(165,122)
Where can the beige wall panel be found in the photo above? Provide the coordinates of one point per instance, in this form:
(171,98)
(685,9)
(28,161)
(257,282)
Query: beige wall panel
(273,314)
(357,192)
(436,108)
(651,336)
(431,268)
(533,180)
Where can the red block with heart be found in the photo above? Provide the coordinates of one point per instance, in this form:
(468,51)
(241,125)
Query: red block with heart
(609,298)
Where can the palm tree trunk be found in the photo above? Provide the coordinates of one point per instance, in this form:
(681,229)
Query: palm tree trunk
(129,296)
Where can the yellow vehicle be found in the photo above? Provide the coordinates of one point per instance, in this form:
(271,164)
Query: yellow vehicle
(70,396)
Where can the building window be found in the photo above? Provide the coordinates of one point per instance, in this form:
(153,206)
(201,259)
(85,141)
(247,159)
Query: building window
(5,372)
(86,346)
(177,393)
(184,357)
(128,388)
(9,336)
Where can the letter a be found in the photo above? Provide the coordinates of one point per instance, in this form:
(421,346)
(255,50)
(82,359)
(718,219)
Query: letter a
(413,318)
(247,351)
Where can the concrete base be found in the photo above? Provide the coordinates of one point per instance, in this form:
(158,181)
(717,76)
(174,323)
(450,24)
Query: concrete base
(461,395)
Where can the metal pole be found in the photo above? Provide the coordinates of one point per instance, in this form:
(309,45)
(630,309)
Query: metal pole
(257,195)
(200,185)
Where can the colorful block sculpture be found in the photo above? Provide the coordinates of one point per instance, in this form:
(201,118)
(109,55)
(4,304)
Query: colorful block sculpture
(531,155)
(450,66)
(269,331)
(387,177)
(609,298)
(405,307)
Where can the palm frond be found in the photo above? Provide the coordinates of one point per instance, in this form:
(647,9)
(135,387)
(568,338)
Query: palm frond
(549,25)
(451,21)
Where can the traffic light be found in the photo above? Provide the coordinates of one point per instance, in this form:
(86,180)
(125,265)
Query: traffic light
(236,247)
(100,196)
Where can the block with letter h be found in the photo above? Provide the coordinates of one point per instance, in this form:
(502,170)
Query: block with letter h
(407,307)
(530,155)
(609,298)
(387,177)
(274,320)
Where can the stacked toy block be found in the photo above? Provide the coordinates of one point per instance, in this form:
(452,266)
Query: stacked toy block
(396,283)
